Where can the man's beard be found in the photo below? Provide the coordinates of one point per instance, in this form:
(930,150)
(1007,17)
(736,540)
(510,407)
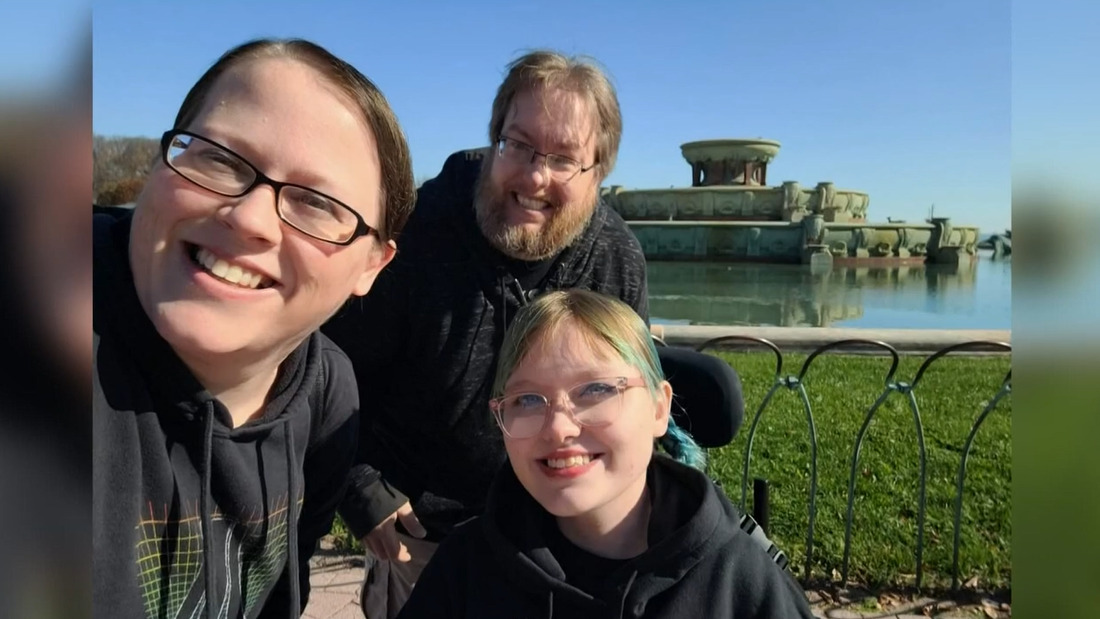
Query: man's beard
(564,226)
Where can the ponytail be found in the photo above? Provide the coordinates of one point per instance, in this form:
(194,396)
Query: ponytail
(679,445)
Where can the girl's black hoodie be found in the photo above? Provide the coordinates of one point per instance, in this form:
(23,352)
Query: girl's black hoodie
(700,563)
(191,516)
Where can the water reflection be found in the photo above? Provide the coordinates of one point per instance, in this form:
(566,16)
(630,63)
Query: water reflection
(973,296)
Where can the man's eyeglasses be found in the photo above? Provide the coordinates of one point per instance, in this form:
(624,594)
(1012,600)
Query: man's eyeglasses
(562,168)
(216,168)
(593,403)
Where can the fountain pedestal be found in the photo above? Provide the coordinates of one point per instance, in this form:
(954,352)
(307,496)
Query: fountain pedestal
(729,213)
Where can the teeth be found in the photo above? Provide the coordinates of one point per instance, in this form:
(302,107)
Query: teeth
(564,463)
(530,203)
(231,273)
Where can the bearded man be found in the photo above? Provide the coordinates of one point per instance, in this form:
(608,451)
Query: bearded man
(497,227)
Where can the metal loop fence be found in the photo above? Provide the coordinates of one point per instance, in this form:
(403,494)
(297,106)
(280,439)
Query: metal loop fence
(908,390)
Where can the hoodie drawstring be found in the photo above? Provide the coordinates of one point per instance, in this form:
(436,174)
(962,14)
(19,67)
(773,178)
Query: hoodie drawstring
(208,526)
(506,279)
(204,507)
(626,594)
(292,523)
(622,601)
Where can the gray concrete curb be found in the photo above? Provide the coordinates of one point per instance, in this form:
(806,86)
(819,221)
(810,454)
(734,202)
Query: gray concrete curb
(808,338)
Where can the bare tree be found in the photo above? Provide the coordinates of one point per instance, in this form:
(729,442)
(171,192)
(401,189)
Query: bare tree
(120,166)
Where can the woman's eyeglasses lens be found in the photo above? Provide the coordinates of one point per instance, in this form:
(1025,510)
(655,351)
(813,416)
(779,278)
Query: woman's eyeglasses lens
(593,403)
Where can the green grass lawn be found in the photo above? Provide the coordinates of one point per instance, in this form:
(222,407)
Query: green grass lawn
(841,389)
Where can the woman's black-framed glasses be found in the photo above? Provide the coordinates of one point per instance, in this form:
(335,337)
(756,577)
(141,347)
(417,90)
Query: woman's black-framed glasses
(222,171)
(593,403)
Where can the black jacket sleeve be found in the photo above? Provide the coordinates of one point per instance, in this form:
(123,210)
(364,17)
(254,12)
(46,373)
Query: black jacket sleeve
(370,330)
(373,330)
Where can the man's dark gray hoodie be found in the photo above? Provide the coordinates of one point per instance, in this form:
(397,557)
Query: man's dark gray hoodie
(424,346)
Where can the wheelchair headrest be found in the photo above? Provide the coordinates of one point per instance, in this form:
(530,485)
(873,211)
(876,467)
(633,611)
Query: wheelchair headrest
(707,401)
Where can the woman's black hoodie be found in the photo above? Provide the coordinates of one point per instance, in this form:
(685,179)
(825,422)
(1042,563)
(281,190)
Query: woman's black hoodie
(699,562)
(193,517)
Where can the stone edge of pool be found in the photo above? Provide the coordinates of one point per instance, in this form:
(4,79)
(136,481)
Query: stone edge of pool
(810,338)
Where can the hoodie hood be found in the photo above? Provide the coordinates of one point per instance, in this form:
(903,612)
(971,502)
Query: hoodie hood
(509,563)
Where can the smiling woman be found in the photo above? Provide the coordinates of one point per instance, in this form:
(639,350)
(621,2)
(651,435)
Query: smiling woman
(588,519)
(279,194)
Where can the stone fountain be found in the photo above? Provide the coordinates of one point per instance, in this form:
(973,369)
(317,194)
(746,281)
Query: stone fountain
(731,214)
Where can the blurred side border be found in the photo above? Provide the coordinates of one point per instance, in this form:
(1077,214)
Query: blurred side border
(45,279)
(1056,308)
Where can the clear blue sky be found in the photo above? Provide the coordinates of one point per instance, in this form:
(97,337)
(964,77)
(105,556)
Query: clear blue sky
(906,100)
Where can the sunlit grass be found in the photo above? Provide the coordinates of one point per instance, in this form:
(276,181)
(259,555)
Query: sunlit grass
(840,390)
